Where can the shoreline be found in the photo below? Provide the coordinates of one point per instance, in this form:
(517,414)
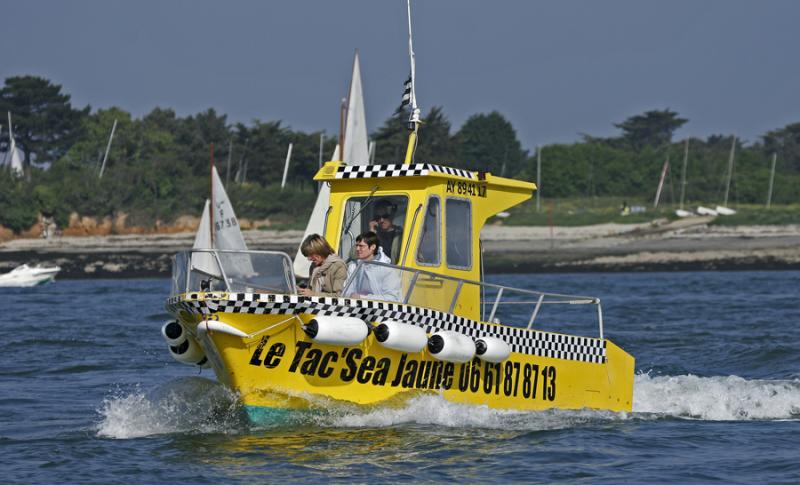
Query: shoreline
(682,245)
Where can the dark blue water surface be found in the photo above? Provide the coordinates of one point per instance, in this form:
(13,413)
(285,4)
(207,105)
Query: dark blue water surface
(89,394)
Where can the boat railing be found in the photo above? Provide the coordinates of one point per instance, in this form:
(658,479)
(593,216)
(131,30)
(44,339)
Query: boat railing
(233,271)
(488,301)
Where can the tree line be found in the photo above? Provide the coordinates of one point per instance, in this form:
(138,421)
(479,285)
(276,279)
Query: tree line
(157,167)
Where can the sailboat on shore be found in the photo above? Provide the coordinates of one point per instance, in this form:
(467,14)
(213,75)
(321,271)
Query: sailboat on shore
(13,156)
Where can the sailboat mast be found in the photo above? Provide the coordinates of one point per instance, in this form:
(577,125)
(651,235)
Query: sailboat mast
(108,148)
(211,195)
(730,172)
(6,154)
(661,182)
(286,166)
(683,171)
(771,179)
(538,179)
(228,163)
(321,143)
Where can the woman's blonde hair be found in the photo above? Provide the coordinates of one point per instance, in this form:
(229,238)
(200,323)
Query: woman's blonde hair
(316,244)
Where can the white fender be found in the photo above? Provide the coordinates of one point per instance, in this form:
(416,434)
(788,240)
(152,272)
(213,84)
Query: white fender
(173,332)
(189,352)
(492,349)
(401,336)
(451,346)
(327,329)
(211,326)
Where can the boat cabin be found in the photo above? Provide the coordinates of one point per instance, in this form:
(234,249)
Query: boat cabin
(427,217)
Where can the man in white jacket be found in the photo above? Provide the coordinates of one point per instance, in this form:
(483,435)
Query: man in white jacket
(372,281)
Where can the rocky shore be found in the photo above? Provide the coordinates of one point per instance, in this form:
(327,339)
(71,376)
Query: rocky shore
(688,244)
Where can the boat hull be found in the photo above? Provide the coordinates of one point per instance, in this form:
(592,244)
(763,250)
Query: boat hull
(257,346)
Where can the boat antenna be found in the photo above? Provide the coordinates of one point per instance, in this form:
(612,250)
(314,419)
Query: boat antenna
(413,120)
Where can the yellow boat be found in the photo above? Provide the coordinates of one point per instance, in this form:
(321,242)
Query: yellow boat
(439,330)
(431,325)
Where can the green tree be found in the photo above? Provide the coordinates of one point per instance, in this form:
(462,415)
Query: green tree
(434,143)
(785,142)
(391,139)
(195,134)
(265,154)
(45,124)
(91,146)
(18,209)
(489,142)
(653,128)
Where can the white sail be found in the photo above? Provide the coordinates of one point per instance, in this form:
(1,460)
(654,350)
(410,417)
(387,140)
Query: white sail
(202,240)
(15,158)
(356,141)
(227,235)
(15,162)
(354,152)
(316,224)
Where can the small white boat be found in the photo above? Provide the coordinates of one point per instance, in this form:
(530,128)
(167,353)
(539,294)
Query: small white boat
(25,275)
(705,211)
(725,211)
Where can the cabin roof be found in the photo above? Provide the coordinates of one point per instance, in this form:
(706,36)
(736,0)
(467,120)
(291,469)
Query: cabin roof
(340,172)
(343,171)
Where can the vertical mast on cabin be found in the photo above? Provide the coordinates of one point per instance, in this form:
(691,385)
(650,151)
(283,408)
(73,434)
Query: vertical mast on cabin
(413,120)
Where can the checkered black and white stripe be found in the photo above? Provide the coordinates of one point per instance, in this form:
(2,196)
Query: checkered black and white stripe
(522,341)
(398,170)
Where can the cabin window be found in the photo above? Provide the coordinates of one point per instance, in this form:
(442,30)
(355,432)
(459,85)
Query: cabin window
(458,233)
(383,214)
(429,250)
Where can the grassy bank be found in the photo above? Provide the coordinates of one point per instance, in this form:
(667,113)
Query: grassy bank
(604,210)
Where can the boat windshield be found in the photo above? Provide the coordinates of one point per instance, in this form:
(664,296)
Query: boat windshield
(385,215)
(235,271)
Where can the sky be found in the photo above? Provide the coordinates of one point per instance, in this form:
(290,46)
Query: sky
(554,69)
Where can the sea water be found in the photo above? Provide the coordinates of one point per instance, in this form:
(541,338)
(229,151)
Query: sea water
(89,394)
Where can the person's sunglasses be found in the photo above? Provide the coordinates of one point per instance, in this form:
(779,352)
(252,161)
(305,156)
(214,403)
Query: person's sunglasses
(383,216)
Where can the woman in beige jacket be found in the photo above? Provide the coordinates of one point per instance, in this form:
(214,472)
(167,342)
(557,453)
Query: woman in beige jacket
(329,273)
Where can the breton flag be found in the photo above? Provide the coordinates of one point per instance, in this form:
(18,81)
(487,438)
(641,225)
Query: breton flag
(406,93)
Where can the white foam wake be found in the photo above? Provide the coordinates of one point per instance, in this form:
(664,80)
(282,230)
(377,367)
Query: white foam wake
(435,410)
(192,405)
(721,398)
(197,405)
